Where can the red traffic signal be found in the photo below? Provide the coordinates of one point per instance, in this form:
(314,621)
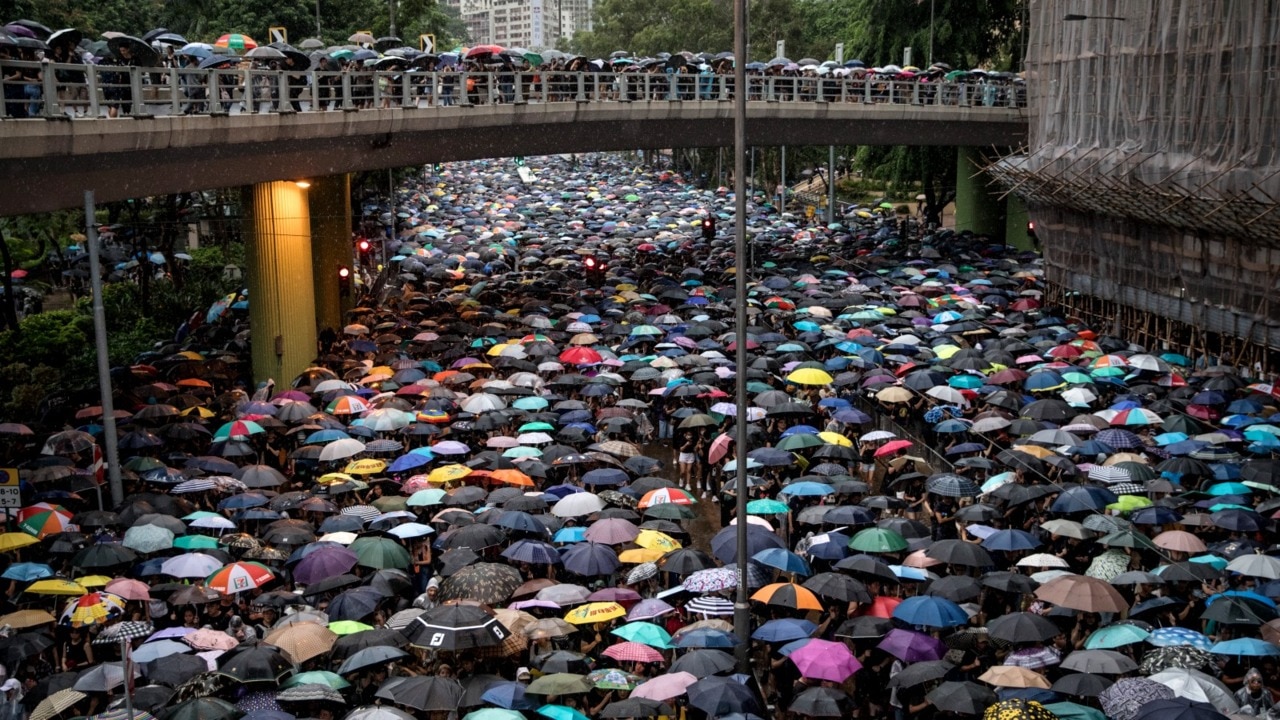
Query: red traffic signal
(709,228)
(344,273)
(591,263)
(364,245)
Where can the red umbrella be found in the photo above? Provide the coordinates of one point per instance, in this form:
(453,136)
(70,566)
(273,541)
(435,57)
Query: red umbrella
(581,355)
(484,50)
(892,447)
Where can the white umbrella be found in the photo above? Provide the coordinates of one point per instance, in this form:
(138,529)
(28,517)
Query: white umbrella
(387,419)
(341,449)
(1256,565)
(482,403)
(1195,685)
(577,505)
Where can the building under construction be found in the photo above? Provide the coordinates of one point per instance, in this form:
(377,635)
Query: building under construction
(1153,169)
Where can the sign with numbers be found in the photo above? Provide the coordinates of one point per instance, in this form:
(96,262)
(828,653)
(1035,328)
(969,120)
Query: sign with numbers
(10,496)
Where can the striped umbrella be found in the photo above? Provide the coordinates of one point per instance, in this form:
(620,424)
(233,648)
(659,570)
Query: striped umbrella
(94,608)
(43,519)
(239,577)
(710,605)
(237,42)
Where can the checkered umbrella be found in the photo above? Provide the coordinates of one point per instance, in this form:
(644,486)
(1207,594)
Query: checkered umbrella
(126,630)
(633,652)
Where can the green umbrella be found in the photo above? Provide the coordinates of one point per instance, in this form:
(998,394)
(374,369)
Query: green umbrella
(494,714)
(348,627)
(878,540)
(631,197)
(767,506)
(318,677)
(1127,538)
(195,542)
(380,553)
(645,633)
(391,503)
(560,684)
(1114,636)
(800,442)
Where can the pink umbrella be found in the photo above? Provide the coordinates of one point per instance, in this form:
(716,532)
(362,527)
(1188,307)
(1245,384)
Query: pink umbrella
(209,639)
(825,660)
(129,589)
(633,652)
(720,447)
(665,687)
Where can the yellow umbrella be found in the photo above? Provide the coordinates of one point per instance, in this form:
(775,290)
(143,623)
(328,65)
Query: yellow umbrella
(92,581)
(16,540)
(496,350)
(54,586)
(654,540)
(448,473)
(635,556)
(199,411)
(367,466)
(595,612)
(27,618)
(334,478)
(810,376)
(944,352)
(1036,450)
(834,438)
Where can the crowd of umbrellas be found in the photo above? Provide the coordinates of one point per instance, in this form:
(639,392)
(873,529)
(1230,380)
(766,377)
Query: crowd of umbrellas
(471,506)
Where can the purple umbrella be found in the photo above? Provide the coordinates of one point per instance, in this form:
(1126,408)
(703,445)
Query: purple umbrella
(649,609)
(612,531)
(329,561)
(912,647)
(450,447)
(590,559)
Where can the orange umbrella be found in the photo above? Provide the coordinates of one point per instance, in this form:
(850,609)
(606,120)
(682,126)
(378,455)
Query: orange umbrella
(788,595)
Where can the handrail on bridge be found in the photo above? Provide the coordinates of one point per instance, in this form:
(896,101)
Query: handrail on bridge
(58,91)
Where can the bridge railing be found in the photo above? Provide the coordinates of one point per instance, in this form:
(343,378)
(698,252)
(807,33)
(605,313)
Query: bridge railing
(54,91)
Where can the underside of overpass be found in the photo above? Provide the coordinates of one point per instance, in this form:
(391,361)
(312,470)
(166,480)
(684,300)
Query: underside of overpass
(49,164)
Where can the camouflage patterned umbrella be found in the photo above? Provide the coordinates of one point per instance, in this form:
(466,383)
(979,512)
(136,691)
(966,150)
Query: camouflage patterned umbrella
(1123,700)
(489,583)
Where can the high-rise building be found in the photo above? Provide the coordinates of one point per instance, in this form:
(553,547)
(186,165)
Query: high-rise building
(533,24)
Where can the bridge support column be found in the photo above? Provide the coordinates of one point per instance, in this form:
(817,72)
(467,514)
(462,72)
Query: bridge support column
(330,246)
(978,209)
(277,224)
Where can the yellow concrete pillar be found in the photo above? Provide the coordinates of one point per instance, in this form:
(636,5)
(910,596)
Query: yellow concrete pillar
(330,246)
(282,309)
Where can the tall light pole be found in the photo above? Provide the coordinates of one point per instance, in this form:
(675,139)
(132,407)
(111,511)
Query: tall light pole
(391,8)
(317,19)
(741,608)
(931,3)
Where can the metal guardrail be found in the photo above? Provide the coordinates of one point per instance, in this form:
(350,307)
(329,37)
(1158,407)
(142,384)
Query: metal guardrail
(57,91)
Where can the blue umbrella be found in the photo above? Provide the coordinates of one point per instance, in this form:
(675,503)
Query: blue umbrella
(1083,498)
(1174,636)
(533,552)
(930,611)
(1252,647)
(605,476)
(784,630)
(523,521)
(574,534)
(410,461)
(590,559)
(724,545)
(509,695)
(808,489)
(27,571)
(783,560)
(1011,541)
(705,638)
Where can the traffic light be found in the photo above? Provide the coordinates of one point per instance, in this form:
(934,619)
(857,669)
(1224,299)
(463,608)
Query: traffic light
(709,228)
(519,161)
(594,270)
(438,168)
(364,246)
(344,281)
(1031,228)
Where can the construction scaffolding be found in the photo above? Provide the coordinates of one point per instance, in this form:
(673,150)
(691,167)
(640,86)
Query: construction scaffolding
(1153,169)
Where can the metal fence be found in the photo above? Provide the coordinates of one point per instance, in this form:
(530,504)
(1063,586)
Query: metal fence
(49,90)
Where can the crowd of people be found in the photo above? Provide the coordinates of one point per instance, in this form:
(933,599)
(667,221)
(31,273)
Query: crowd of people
(504,490)
(383,73)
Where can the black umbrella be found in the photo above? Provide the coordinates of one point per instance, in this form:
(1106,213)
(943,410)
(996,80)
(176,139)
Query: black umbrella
(1022,627)
(354,604)
(685,561)
(133,51)
(959,552)
(173,670)
(369,657)
(348,645)
(718,696)
(428,693)
(1006,581)
(1178,709)
(963,698)
(562,661)
(202,708)
(18,648)
(819,702)
(956,588)
(1081,684)
(703,662)
(455,627)
(838,587)
(257,663)
(921,672)
(332,583)
(103,555)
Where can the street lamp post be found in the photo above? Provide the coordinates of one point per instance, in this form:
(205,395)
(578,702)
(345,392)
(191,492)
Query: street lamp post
(741,608)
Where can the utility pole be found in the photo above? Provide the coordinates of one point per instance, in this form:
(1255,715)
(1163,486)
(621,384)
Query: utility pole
(741,608)
(109,438)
